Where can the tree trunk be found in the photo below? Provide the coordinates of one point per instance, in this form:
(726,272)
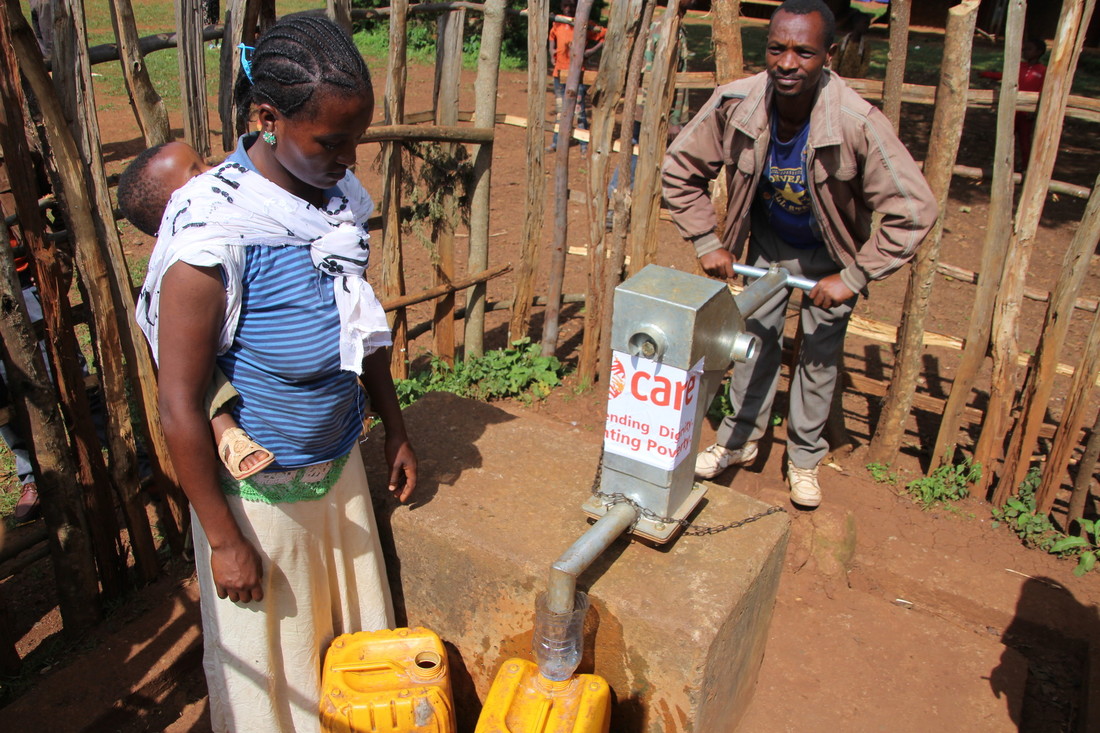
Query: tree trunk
(729,57)
(339,12)
(393,278)
(485,114)
(947,129)
(895,62)
(998,234)
(1050,119)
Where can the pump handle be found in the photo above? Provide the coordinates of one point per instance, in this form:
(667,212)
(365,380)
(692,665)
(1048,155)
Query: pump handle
(793,281)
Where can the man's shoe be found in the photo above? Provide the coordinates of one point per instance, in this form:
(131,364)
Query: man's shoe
(718,458)
(805,491)
(26,508)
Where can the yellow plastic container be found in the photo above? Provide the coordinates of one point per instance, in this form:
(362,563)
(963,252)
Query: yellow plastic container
(523,701)
(383,681)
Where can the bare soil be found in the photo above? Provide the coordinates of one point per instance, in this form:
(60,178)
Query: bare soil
(888,617)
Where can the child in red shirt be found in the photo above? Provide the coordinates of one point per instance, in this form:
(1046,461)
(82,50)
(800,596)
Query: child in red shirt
(1032,74)
(561,43)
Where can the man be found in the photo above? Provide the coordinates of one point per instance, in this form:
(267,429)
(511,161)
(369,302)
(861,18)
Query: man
(808,162)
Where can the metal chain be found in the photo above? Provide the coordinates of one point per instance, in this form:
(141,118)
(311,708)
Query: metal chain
(689,529)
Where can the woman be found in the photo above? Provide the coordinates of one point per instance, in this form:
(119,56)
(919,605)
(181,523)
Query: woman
(259,269)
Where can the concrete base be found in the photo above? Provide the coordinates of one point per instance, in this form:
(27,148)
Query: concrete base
(678,631)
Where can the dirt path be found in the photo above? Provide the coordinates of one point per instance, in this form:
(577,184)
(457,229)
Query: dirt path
(888,617)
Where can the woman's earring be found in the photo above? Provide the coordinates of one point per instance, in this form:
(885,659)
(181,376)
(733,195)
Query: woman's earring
(269,137)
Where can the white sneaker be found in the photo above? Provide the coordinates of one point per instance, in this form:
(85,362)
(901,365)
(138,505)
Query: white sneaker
(805,491)
(718,458)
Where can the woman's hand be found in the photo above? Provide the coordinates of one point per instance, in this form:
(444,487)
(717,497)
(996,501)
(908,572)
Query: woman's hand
(401,461)
(238,571)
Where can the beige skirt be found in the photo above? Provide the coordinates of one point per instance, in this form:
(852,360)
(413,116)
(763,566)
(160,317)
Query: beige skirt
(323,575)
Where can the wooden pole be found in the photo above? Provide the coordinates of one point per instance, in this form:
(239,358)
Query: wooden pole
(729,56)
(450,34)
(998,234)
(393,277)
(653,140)
(606,95)
(556,283)
(339,12)
(1066,437)
(148,107)
(1040,379)
(485,111)
(1082,483)
(895,60)
(192,66)
(620,222)
(1051,117)
(947,126)
(240,27)
(538,12)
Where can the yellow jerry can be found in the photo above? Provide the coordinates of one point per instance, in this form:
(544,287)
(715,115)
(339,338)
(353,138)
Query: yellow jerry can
(523,701)
(383,681)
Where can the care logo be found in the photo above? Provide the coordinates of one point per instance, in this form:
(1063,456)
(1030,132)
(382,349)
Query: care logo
(618,379)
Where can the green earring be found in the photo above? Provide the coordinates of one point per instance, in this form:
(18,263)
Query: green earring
(269,137)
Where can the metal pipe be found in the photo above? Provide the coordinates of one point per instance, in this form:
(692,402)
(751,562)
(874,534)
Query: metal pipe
(757,293)
(793,281)
(563,573)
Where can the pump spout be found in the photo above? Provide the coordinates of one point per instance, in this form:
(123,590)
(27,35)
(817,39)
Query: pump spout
(582,553)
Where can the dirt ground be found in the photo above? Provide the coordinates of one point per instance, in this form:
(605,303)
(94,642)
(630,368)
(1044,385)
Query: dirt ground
(888,617)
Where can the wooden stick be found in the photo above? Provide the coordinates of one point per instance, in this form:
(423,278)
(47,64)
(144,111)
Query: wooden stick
(556,276)
(729,56)
(240,28)
(895,61)
(535,203)
(998,233)
(1051,118)
(192,66)
(485,110)
(947,129)
(1082,483)
(339,12)
(148,107)
(446,288)
(449,133)
(1040,379)
(393,277)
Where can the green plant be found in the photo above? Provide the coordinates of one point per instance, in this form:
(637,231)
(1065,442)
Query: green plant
(518,371)
(947,483)
(1036,530)
(881,474)
(720,406)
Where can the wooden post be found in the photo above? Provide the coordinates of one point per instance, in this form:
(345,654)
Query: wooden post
(1082,483)
(110,290)
(393,278)
(148,107)
(1052,106)
(653,140)
(448,49)
(729,56)
(485,114)
(1040,378)
(240,27)
(538,12)
(189,24)
(606,95)
(620,221)
(339,12)
(895,62)
(1065,439)
(998,234)
(60,495)
(53,282)
(556,282)
(947,132)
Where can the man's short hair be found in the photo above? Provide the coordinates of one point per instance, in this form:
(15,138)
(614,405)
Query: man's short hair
(805,7)
(141,196)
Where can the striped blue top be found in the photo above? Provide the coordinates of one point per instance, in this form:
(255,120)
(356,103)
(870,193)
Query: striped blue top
(285,359)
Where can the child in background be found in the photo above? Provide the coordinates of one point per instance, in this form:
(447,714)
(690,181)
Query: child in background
(143,193)
(1032,75)
(561,43)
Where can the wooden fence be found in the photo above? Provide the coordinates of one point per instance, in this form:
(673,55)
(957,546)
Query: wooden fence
(82,494)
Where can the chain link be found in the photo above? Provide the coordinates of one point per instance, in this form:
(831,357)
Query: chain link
(688,526)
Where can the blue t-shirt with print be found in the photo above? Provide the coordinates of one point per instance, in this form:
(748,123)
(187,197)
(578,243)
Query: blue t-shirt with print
(783,192)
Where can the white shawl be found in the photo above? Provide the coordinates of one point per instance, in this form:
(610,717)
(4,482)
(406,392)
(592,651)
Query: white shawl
(212,218)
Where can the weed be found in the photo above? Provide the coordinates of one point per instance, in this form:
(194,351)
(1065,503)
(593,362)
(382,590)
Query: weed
(721,406)
(519,371)
(881,474)
(1036,530)
(947,483)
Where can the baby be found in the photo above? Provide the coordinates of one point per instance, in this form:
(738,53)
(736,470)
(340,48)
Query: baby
(143,192)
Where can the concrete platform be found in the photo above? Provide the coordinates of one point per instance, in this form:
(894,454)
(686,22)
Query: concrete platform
(677,631)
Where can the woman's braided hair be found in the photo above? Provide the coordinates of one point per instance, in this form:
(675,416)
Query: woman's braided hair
(293,59)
